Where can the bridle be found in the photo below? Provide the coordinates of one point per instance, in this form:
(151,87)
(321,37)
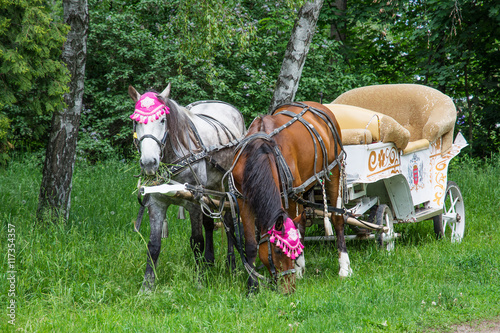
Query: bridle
(266,238)
(161,143)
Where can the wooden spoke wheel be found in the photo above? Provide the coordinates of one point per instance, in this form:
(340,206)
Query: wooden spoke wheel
(384,217)
(451,224)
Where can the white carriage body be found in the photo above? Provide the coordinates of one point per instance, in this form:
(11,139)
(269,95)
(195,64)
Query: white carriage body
(402,180)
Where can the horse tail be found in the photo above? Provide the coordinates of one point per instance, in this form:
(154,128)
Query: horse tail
(259,186)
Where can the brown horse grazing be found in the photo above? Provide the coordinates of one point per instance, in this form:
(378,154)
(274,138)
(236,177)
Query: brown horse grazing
(283,156)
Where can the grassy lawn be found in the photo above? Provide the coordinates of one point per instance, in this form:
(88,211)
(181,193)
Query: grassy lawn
(84,275)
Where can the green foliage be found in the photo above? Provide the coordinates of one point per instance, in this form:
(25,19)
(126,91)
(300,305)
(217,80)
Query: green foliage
(233,51)
(84,275)
(235,58)
(5,145)
(450,45)
(33,79)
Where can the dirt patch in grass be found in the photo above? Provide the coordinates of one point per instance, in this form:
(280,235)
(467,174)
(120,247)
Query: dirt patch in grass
(487,326)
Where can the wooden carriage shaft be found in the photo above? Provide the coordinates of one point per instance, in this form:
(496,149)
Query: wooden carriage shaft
(187,195)
(355,222)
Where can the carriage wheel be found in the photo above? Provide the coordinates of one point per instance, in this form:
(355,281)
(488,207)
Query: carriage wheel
(451,224)
(384,217)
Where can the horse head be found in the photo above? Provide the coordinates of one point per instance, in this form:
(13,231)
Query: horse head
(150,128)
(280,249)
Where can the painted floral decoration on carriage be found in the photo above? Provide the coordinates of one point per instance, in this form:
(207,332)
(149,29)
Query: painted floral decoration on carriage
(288,240)
(149,108)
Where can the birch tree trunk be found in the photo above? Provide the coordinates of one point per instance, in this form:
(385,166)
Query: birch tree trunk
(55,190)
(296,53)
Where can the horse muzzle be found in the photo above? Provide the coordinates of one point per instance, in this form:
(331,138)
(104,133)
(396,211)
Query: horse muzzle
(300,266)
(149,166)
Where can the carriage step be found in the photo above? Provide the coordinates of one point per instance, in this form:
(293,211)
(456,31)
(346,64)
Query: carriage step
(426,214)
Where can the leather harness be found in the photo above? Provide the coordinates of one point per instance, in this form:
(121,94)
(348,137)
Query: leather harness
(286,177)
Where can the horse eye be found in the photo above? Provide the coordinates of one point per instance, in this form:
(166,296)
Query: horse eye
(163,121)
(277,250)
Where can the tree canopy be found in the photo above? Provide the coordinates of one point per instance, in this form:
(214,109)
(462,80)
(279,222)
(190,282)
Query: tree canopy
(33,79)
(233,51)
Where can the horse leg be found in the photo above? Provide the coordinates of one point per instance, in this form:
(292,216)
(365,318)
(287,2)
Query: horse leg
(157,213)
(229,228)
(297,211)
(196,241)
(251,247)
(300,261)
(338,225)
(344,263)
(209,226)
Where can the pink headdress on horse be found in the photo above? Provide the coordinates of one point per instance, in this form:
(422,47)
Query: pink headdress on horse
(288,240)
(149,108)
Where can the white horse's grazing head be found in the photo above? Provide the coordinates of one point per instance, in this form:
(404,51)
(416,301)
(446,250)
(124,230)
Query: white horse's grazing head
(150,126)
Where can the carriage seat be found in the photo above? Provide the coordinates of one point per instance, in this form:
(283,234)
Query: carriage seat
(425,112)
(362,126)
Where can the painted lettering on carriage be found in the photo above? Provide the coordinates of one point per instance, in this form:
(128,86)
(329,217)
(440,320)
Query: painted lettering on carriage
(441,168)
(372,161)
(383,160)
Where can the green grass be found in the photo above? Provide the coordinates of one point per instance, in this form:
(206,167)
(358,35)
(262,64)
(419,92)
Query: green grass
(84,275)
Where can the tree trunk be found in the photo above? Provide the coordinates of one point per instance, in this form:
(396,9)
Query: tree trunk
(338,24)
(55,190)
(296,53)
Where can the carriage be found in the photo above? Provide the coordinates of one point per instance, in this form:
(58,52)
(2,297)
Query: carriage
(398,140)
(390,167)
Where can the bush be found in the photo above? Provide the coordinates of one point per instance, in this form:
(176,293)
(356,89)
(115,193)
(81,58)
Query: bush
(5,145)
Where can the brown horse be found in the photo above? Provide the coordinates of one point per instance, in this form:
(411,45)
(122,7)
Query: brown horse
(283,156)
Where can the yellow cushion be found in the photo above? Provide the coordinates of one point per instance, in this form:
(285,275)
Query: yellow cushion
(356,136)
(353,117)
(355,122)
(414,146)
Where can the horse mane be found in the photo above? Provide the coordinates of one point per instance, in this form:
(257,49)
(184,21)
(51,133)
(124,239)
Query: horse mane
(178,124)
(259,187)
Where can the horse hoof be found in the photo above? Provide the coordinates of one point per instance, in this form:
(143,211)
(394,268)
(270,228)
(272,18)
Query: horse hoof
(300,266)
(344,273)
(252,288)
(345,265)
(147,287)
(144,291)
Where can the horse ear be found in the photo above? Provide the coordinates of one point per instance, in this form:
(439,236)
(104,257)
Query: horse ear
(279,223)
(166,93)
(301,218)
(133,94)
(301,222)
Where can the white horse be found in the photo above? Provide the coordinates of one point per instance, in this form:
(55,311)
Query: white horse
(197,142)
